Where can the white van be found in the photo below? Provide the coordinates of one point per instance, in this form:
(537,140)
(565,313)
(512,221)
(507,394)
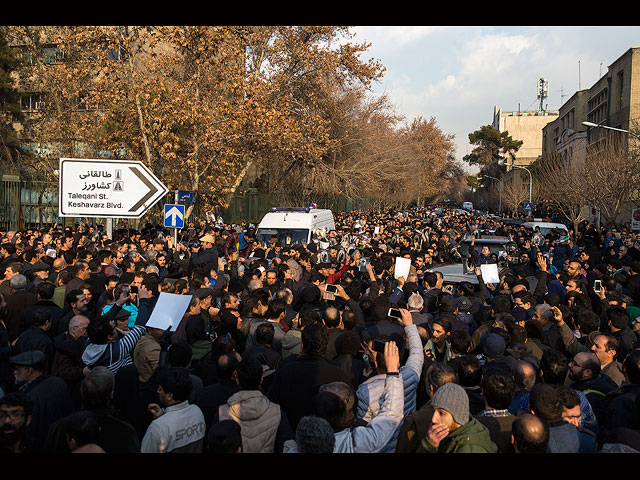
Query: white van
(546,227)
(293,224)
(468,206)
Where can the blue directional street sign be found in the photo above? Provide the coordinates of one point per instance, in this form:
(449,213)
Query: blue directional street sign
(174,216)
(528,206)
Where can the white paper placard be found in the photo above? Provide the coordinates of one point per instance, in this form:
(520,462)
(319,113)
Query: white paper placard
(403,265)
(490,273)
(169,310)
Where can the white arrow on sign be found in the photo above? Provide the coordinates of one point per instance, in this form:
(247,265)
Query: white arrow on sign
(107,188)
(174,213)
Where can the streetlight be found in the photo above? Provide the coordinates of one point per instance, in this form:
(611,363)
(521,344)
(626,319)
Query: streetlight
(527,170)
(595,125)
(498,180)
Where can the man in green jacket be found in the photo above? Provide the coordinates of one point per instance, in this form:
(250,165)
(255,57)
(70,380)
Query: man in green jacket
(452,429)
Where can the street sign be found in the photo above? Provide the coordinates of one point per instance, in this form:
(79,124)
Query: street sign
(635,219)
(528,206)
(107,188)
(174,216)
(186,196)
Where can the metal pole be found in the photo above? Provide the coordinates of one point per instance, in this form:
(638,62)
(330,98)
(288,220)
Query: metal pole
(175,230)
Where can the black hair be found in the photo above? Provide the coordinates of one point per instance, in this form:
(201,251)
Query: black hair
(315,339)
(179,354)
(83,427)
(45,290)
(498,390)
(554,366)
(469,371)
(176,380)
(631,367)
(224,437)
(545,402)
(265,333)
(250,373)
(18,399)
(460,341)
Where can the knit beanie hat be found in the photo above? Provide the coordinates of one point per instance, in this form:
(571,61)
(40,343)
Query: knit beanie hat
(454,399)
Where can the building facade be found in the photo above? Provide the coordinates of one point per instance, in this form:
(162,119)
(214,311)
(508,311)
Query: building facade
(527,127)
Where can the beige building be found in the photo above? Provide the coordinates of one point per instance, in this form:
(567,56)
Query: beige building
(614,101)
(527,127)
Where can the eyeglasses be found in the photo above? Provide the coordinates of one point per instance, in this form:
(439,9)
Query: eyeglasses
(575,364)
(13,415)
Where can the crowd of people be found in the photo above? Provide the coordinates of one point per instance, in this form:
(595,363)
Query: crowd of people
(320,347)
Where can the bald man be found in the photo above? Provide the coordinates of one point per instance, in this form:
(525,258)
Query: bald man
(529,434)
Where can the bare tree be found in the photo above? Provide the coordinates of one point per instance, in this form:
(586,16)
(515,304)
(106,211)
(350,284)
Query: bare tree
(514,192)
(564,182)
(611,175)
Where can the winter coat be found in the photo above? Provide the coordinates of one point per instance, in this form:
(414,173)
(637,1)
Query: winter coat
(180,428)
(381,429)
(261,421)
(370,392)
(472,437)
(146,356)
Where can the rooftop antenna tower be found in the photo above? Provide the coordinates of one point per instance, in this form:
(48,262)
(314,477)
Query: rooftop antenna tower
(543,91)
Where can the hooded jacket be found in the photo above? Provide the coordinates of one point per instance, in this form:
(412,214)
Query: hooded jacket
(261,421)
(472,437)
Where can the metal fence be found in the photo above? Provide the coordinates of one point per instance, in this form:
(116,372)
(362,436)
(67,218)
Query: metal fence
(27,204)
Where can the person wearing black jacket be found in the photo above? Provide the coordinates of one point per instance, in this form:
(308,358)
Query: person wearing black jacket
(586,376)
(49,394)
(206,254)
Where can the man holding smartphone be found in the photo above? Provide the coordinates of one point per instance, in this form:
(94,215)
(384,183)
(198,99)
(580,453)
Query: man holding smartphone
(369,393)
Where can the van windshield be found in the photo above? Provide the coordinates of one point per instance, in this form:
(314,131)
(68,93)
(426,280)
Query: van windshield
(287,236)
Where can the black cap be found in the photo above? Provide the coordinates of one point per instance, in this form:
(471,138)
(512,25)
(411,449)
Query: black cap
(31,358)
(203,293)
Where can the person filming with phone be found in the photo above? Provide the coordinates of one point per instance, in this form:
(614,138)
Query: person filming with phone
(369,393)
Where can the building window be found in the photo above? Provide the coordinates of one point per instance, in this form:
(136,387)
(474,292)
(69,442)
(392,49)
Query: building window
(620,88)
(31,101)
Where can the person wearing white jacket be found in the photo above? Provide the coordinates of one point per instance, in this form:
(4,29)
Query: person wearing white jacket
(335,400)
(370,393)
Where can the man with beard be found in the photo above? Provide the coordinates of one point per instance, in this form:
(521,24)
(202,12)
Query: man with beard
(15,417)
(586,376)
(49,394)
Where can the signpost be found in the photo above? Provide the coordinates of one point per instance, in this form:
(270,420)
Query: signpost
(174,216)
(107,188)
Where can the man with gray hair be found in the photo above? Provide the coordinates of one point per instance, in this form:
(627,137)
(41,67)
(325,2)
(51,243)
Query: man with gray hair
(18,300)
(543,313)
(67,359)
(415,304)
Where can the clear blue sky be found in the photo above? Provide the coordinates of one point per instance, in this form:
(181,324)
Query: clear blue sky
(458,74)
